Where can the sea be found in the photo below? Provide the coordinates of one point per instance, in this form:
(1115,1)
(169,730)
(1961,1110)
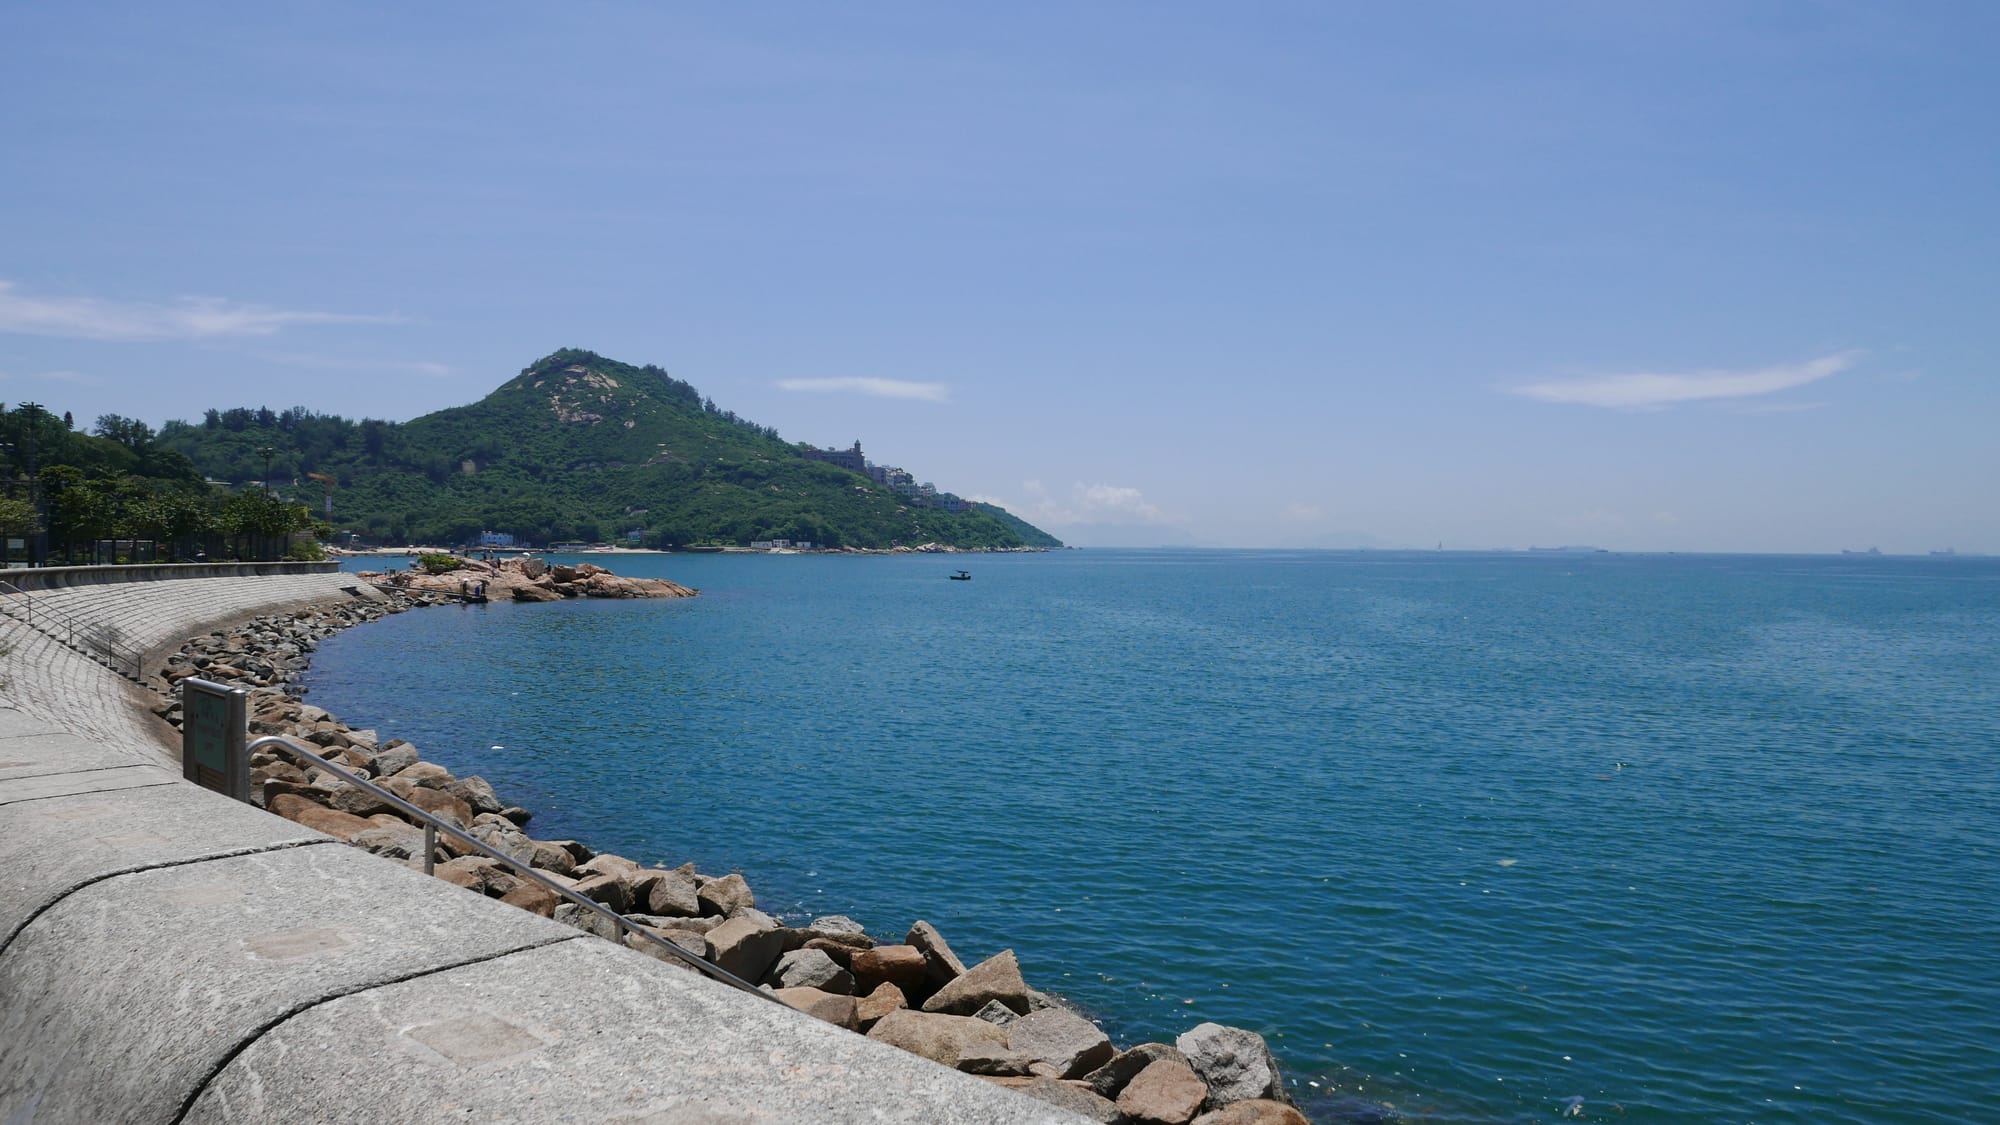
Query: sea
(1507,837)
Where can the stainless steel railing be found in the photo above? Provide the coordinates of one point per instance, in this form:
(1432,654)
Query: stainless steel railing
(434,825)
(65,628)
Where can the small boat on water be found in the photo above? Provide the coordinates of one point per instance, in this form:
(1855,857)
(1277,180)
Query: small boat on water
(962,576)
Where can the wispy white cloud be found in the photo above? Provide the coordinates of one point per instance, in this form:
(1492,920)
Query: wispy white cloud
(335,363)
(862,385)
(1088,503)
(1653,390)
(1773,407)
(189,318)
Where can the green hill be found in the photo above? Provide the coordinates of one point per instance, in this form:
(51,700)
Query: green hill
(577,447)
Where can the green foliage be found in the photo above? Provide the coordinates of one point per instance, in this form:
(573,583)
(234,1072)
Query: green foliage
(17,517)
(122,484)
(575,447)
(439,564)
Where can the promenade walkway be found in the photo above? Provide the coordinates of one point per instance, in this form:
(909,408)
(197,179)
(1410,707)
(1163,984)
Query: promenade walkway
(41,676)
(169,955)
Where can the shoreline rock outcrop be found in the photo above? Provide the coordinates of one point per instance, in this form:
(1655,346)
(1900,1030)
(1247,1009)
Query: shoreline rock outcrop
(914,993)
(523,580)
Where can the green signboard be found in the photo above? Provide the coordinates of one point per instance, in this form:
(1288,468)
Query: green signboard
(214,722)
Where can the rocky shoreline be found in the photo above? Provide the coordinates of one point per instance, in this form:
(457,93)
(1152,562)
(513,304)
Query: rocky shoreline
(913,992)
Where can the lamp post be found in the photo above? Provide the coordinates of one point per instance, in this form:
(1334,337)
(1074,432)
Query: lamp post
(267,453)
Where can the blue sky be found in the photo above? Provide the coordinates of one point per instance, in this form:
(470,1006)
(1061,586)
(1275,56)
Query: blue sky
(1657,277)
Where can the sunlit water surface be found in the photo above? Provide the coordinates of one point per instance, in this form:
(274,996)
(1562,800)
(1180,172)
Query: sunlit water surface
(1690,838)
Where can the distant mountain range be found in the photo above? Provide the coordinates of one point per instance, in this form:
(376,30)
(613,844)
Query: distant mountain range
(576,447)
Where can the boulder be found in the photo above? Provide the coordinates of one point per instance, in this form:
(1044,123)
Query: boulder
(399,842)
(939,1038)
(551,857)
(1235,1063)
(834,947)
(996,978)
(1071,1044)
(608,586)
(900,965)
(510,842)
(533,898)
(727,895)
(588,920)
(517,814)
(673,894)
(992,1060)
(1071,1096)
(997,1013)
(1168,1092)
(477,792)
(606,889)
(1254,1111)
(442,805)
(533,568)
(607,863)
(691,925)
(395,758)
(885,999)
(1109,1080)
(943,963)
(837,1010)
(317,794)
(746,946)
(811,968)
(688,941)
(335,823)
(836,924)
(473,872)
(430,775)
(534,593)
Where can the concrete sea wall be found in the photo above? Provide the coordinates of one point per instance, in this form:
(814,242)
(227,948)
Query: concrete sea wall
(169,955)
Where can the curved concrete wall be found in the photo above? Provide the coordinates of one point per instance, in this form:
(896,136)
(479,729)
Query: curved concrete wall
(167,954)
(58,577)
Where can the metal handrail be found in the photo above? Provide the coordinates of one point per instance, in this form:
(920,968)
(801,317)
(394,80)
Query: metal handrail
(433,825)
(72,624)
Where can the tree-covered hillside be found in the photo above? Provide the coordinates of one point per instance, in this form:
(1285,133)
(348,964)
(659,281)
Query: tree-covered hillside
(74,497)
(575,447)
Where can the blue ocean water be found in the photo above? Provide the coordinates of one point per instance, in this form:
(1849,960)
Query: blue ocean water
(1691,838)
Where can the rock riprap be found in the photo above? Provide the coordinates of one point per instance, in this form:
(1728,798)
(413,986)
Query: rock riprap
(914,993)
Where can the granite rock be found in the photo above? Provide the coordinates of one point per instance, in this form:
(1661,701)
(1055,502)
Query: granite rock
(1235,1063)
(996,978)
(939,1038)
(1071,1044)
(1168,1092)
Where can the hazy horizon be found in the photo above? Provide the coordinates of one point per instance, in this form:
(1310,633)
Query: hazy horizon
(1717,277)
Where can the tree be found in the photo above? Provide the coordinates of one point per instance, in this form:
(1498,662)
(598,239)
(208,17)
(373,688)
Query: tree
(128,432)
(17,518)
(79,508)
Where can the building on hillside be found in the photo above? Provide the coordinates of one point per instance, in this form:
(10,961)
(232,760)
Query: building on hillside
(495,539)
(845,458)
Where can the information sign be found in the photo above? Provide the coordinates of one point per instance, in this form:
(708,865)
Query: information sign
(214,729)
